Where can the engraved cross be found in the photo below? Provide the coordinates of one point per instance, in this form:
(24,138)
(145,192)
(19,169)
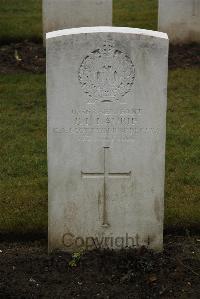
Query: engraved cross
(105,175)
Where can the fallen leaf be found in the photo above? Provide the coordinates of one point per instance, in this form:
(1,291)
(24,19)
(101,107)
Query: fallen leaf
(17,56)
(152,278)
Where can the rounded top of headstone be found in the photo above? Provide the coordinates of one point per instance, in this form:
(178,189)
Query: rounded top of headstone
(106,29)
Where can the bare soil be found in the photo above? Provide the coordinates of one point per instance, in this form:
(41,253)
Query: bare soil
(25,56)
(27,271)
(30,57)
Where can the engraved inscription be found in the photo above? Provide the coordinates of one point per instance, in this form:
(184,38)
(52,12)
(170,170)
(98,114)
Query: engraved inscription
(119,124)
(105,175)
(106,74)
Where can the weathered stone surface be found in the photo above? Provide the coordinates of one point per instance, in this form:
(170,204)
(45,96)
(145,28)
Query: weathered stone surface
(107,96)
(64,14)
(180,19)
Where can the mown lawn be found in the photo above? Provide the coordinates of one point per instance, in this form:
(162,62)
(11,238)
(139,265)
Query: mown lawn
(23,171)
(23,166)
(183,149)
(22,19)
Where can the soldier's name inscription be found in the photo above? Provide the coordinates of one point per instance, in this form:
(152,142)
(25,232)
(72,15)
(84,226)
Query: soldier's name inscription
(119,124)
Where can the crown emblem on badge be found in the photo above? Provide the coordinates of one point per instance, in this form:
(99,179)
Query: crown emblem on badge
(106,74)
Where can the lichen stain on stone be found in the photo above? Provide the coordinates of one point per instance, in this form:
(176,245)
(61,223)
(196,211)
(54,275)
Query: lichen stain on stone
(99,204)
(150,239)
(157,209)
(123,188)
(71,211)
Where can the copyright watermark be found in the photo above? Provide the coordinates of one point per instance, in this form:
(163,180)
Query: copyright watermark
(119,242)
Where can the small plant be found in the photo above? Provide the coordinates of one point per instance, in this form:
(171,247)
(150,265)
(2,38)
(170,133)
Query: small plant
(76,256)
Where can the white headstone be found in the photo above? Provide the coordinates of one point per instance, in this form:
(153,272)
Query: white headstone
(107,96)
(62,14)
(180,19)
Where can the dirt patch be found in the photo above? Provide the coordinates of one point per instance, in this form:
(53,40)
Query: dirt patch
(26,271)
(184,56)
(30,57)
(20,57)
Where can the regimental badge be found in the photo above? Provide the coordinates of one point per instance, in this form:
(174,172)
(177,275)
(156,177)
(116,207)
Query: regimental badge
(106,74)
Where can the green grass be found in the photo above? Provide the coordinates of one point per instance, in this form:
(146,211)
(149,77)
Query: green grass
(23,189)
(22,19)
(23,173)
(183,144)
